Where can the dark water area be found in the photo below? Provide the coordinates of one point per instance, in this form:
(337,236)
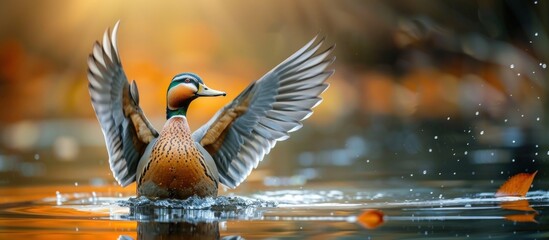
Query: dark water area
(314,211)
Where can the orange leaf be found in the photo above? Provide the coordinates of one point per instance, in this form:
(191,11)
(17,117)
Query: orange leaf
(371,219)
(517,185)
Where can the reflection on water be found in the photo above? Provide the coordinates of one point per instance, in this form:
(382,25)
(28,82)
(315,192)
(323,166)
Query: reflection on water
(176,230)
(332,212)
(168,223)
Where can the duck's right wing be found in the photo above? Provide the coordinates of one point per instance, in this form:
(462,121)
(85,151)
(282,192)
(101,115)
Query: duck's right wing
(116,103)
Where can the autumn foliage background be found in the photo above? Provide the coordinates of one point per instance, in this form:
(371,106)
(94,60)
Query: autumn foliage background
(423,89)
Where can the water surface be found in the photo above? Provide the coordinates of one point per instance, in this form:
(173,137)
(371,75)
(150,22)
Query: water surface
(323,211)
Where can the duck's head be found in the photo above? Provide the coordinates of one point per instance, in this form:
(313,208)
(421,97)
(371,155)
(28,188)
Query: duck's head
(185,88)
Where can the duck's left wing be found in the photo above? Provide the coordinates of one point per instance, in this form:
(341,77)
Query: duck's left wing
(244,131)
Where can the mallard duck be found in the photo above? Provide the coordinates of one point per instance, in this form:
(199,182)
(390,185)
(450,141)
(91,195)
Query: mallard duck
(178,163)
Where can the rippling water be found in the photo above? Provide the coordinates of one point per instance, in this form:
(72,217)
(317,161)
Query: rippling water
(311,212)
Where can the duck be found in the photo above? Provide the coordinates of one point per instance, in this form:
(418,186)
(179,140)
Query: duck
(177,163)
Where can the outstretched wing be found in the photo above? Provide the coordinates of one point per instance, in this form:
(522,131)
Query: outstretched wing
(116,103)
(245,130)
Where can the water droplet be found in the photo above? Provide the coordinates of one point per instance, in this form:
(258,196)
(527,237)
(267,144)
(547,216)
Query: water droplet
(518,74)
(411,189)
(505,120)
(513,141)
(58,198)
(512,66)
(448,118)
(544,65)
(465,153)
(76,184)
(535,2)
(436,137)
(513,160)
(477,113)
(482,132)
(538,118)
(501,172)
(424,172)
(411,174)
(536,34)
(36,156)
(455,173)
(430,150)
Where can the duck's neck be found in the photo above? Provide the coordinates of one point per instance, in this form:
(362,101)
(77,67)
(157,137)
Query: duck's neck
(179,108)
(182,111)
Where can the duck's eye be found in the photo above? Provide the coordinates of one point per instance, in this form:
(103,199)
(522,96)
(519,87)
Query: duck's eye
(187,80)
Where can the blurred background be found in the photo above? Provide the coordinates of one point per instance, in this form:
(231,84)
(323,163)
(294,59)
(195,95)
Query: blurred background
(424,90)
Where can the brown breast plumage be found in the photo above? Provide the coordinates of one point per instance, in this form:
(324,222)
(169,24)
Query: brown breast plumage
(176,168)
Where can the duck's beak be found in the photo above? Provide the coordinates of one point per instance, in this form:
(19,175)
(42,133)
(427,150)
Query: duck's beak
(204,91)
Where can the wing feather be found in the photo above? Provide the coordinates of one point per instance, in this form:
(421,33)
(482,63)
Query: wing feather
(126,130)
(244,131)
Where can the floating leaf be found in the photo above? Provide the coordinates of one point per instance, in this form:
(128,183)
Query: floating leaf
(371,219)
(516,186)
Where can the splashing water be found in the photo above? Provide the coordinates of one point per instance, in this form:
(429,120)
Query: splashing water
(197,203)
